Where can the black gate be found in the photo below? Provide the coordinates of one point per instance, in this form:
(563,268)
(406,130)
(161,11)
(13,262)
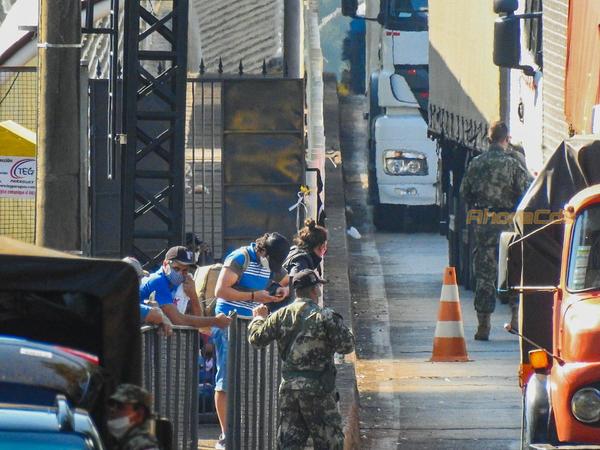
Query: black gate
(244,162)
(244,158)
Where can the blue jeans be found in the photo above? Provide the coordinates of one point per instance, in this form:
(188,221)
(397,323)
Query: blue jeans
(221,340)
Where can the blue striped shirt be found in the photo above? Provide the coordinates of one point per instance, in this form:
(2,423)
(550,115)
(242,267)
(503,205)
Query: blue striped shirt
(254,278)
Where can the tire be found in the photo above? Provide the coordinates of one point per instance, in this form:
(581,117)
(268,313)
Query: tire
(536,421)
(526,436)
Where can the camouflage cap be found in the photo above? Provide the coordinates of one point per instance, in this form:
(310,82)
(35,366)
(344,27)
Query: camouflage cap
(130,393)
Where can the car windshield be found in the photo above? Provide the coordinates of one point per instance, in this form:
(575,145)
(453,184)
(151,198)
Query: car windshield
(404,8)
(584,259)
(19,440)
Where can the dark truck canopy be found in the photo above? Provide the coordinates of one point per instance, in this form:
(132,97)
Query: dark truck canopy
(574,166)
(86,304)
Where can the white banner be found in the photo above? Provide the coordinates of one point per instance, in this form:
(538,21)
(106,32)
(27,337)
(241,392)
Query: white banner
(17,177)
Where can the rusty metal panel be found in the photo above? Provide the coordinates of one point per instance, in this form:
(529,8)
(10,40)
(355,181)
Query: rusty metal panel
(263,157)
(263,105)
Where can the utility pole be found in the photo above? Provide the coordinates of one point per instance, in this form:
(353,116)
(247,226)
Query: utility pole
(293,38)
(58,153)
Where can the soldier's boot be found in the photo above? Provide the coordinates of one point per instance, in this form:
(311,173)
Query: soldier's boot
(514,318)
(483,330)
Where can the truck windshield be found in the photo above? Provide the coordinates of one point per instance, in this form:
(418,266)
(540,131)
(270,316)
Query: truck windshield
(404,15)
(405,8)
(584,259)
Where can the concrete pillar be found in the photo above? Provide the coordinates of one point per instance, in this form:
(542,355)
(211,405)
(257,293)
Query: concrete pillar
(58,159)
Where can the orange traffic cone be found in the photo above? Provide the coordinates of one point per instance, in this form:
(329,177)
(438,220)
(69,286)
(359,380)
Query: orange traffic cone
(449,340)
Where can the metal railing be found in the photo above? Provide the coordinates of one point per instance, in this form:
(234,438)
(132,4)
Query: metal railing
(253,377)
(170,373)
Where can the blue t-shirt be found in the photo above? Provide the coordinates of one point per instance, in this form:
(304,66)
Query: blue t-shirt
(254,278)
(158,283)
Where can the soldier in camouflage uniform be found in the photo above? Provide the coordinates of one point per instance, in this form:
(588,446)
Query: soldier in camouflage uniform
(493,185)
(129,412)
(307,337)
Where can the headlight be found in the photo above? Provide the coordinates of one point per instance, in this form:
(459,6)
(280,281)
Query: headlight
(396,162)
(585,405)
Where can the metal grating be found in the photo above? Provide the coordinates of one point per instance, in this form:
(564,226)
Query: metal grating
(253,377)
(170,373)
(18,103)
(203,164)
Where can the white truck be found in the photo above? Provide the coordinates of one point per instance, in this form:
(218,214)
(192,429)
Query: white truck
(403,162)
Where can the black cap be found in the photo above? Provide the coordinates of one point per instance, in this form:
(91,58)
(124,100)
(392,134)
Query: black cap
(277,247)
(181,255)
(306,278)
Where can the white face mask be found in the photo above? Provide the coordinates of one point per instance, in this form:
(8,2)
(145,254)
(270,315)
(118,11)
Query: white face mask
(264,262)
(119,426)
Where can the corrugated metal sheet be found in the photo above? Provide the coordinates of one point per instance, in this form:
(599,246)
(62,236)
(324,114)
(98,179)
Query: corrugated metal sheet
(555,127)
(233,30)
(250,30)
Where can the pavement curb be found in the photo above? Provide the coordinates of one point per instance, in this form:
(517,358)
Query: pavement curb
(337,292)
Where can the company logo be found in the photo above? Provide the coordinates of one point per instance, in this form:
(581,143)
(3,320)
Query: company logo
(23,168)
(537,217)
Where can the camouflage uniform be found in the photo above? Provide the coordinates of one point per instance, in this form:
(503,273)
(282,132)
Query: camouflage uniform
(139,437)
(495,181)
(307,396)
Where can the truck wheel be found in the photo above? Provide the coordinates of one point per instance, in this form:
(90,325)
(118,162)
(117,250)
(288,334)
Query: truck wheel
(525,429)
(535,412)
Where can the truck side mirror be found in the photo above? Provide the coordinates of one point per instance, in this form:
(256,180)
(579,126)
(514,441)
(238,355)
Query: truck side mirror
(509,262)
(349,8)
(505,6)
(507,42)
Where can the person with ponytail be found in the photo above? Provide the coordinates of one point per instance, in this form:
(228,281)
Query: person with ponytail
(307,253)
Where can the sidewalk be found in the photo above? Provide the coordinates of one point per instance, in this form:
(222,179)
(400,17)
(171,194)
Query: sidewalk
(337,292)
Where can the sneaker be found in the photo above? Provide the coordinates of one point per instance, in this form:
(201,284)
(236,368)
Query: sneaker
(220,445)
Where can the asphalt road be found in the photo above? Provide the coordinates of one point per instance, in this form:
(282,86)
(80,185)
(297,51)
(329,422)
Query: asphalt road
(407,402)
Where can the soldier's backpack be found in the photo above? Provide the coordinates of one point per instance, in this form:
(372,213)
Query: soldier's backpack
(205,280)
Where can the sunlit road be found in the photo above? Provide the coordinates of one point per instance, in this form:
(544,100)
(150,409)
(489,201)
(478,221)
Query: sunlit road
(406,401)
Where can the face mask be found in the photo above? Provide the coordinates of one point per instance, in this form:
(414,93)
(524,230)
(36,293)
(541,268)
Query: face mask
(265,262)
(119,426)
(174,277)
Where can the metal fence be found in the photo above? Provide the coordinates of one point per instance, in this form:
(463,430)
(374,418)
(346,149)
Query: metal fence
(170,373)
(18,104)
(253,377)
(203,165)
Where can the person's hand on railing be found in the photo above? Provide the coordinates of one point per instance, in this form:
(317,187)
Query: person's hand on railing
(166,327)
(264,297)
(157,317)
(222,321)
(261,311)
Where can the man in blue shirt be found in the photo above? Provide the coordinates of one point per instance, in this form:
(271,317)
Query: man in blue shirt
(162,286)
(242,285)
(151,315)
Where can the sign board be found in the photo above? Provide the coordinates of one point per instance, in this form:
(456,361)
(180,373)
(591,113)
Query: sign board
(17,177)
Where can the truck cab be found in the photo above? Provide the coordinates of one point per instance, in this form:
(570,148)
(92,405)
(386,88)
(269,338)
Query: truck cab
(403,162)
(574,385)
(561,395)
